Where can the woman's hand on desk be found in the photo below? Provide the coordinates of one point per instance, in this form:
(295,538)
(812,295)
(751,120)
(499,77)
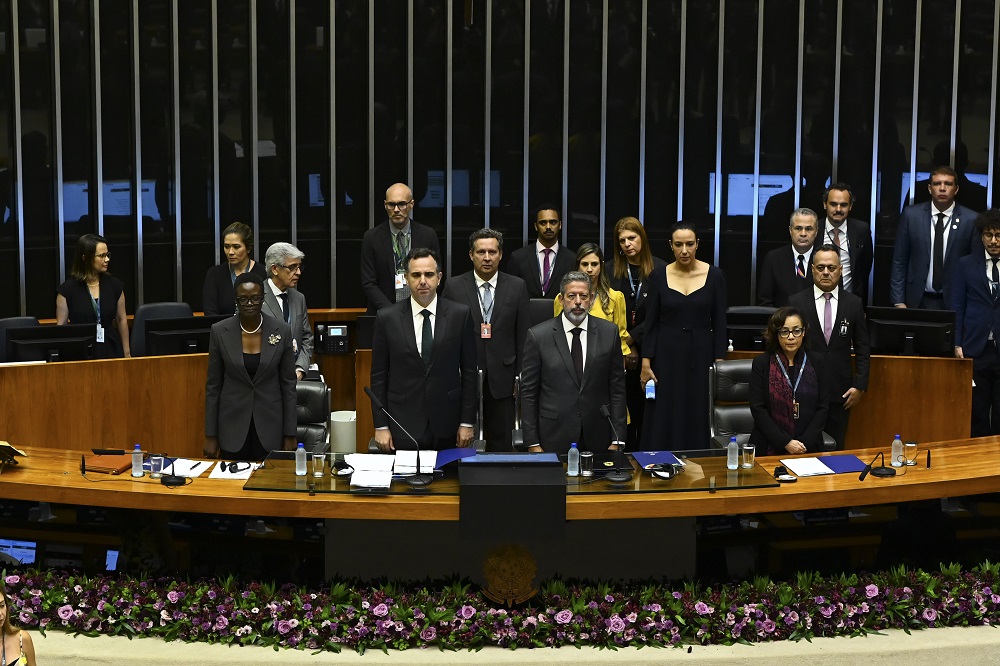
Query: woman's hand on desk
(211,447)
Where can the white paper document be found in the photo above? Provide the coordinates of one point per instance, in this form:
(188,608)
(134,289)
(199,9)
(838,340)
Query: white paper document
(806,466)
(243,470)
(188,468)
(371,478)
(371,470)
(406,462)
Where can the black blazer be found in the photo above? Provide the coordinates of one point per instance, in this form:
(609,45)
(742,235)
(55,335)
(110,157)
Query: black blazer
(976,311)
(859,248)
(217,295)
(778,279)
(555,406)
(524,264)
(812,415)
(232,398)
(637,303)
(500,356)
(378,264)
(849,327)
(441,396)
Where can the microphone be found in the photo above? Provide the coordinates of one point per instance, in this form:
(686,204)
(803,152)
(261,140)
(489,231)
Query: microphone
(417,479)
(83,465)
(881,472)
(616,475)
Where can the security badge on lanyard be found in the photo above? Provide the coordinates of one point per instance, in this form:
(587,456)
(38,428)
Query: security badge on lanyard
(486,328)
(802,366)
(96,302)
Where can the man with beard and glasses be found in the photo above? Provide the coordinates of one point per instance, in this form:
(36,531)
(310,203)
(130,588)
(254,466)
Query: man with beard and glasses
(572,367)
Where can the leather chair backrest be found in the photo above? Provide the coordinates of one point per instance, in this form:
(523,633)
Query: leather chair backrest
(312,402)
(137,345)
(729,386)
(539,310)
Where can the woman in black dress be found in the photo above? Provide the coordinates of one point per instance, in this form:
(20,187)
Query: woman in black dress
(685,332)
(92,296)
(787,400)
(217,296)
(629,273)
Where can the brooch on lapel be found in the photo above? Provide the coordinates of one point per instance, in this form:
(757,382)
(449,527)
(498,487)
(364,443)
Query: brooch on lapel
(274,338)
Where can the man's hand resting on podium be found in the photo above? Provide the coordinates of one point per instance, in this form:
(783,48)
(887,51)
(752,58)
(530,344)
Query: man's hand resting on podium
(211,447)
(383,438)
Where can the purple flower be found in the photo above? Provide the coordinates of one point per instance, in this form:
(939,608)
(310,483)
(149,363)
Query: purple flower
(826,611)
(929,614)
(12,580)
(609,598)
(173,596)
(466,612)
(768,626)
(677,595)
(616,625)
(871,591)
(284,627)
(655,608)
(221,623)
(65,612)
(702,608)
(564,616)
(428,634)
(381,610)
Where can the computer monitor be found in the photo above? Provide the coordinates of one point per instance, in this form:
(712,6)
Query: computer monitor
(72,342)
(745,327)
(179,335)
(911,332)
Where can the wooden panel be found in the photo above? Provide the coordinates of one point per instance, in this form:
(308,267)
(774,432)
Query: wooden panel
(362,378)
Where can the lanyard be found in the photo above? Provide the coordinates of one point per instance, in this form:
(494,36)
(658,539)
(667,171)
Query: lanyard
(798,379)
(398,253)
(634,286)
(96,302)
(487,314)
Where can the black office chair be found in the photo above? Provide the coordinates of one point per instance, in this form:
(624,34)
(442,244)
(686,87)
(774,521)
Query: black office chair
(12,322)
(153,311)
(539,310)
(312,409)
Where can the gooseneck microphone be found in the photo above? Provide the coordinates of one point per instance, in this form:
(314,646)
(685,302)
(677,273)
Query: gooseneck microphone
(882,472)
(617,474)
(417,479)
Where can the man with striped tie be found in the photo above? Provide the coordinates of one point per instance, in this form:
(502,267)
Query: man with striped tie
(788,272)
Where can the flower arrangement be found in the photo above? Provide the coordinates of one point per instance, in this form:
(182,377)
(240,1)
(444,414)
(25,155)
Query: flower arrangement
(453,616)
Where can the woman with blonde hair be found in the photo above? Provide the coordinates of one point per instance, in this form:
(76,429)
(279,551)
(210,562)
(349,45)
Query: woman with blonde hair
(17,648)
(606,303)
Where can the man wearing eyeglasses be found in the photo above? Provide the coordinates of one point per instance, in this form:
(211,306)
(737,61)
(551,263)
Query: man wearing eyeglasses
(283,301)
(835,321)
(852,237)
(384,249)
(786,269)
(975,299)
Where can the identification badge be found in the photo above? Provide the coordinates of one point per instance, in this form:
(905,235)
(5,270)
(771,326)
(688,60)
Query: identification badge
(400,280)
(795,409)
(486,331)
(100,333)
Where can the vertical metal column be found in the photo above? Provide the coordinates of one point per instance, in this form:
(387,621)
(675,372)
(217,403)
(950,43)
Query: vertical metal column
(565,128)
(916,101)
(293,153)
(58,139)
(449,131)
(216,122)
(954,81)
(644,27)
(525,213)
(797,184)
(409,92)
(252,153)
(98,124)
(371,111)
(837,55)
(487,115)
(17,207)
(876,115)
(332,199)
(602,212)
(754,234)
(176,108)
(992,163)
(718,130)
(137,155)
(681,102)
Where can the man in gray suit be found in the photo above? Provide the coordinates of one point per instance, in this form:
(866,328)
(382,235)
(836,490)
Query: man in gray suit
(572,367)
(283,263)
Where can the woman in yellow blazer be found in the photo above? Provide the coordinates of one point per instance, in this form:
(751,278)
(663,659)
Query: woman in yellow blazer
(608,303)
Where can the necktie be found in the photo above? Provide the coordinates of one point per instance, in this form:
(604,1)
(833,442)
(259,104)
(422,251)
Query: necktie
(487,301)
(284,306)
(827,317)
(546,269)
(836,236)
(800,269)
(576,351)
(996,277)
(937,280)
(427,339)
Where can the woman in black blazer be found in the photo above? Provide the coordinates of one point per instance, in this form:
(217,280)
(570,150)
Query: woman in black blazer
(217,296)
(250,389)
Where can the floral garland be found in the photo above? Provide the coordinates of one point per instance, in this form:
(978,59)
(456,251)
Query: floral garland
(454,616)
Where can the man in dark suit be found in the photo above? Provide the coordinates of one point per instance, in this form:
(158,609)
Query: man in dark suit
(930,240)
(384,249)
(974,298)
(424,364)
(543,263)
(499,306)
(835,321)
(572,366)
(852,237)
(282,300)
(786,270)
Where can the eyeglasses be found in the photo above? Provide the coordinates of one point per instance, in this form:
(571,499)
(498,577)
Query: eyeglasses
(989,235)
(791,332)
(828,268)
(294,268)
(106,255)
(249,300)
(392,205)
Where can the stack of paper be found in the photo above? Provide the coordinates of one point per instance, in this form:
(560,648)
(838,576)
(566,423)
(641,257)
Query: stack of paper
(371,470)
(406,462)
(187,467)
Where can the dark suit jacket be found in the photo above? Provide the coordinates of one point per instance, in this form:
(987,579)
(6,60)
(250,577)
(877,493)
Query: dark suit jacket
(778,279)
(835,358)
(231,397)
(859,247)
(767,434)
(911,258)
(524,264)
(217,295)
(976,311)
(378,265)
(500,356)
(441,396)
(555,406)
(298,321)
(636,327)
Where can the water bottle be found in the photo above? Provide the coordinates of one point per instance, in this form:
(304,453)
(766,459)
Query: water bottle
(300,460)
(573,461)
(897,452)
(137,461)
(732,454)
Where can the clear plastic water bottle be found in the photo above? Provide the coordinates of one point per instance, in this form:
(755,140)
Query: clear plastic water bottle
(137,461)
(300,460)
(897,452)
(732,454)
(573,461)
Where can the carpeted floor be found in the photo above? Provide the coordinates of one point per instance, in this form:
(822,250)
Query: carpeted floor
(966,646)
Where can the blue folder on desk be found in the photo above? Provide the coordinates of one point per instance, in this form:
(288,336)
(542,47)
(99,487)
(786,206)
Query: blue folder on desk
(843,463)
(647,458)
(446,456)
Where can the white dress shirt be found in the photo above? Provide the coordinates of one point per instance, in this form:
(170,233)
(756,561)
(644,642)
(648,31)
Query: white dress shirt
(277,293)
(821,307)
(845,254)
(540,255)
(418,320)
(568,327)
(482,297)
